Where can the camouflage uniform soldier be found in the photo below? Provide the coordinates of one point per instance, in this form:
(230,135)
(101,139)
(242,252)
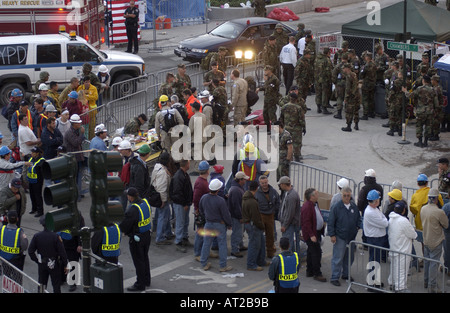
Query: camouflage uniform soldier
(43,77)
(270,56)
(381,61)
(438,110)
(220,58)
(425,101)
(293,118)
(354,61)
(302,74)
(311,45)
(272,95)
(164,89)
(338,55)
(338,79)
(182,82)
(300,33)
(432,70)
(368,77)
(220,96)
(395,104)
(287,98)
(281,37)
(352,98)
(284,151)
(214,73)
(444,177)
(424,65)
(260,7)
(322,73)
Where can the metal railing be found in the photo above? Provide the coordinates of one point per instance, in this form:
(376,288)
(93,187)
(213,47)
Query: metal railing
(16,281)
(392,271)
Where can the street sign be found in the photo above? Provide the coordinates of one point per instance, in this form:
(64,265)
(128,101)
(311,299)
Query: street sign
(400,46)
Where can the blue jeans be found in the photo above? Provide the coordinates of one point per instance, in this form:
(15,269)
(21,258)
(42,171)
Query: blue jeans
(236,235)
(293,233)
(220,231)
(430,269)
(181,222)
(162,218)
(376,254)
(256,246)
(339,260)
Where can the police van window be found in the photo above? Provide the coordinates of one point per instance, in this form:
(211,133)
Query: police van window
(48,54)
(14,54)
(79,52)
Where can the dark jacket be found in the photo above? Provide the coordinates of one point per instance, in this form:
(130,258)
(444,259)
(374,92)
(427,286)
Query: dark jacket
(234,200)
(50,142)
(72,141)
(139,177)
(215,210)
(342,222)
(270,204)
(369,184)
(181,188)
(309,221)
(49,245)
(250,210)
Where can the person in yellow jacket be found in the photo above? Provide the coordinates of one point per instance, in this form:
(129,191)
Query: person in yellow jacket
(420,198)
(91,94)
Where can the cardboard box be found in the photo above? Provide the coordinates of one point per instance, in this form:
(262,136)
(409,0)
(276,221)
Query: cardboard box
(324,200)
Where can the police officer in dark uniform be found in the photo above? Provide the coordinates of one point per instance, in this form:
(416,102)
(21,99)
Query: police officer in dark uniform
(137,225)
(13,242)
(131,16)
(105,243)
(47,250)
(284,269)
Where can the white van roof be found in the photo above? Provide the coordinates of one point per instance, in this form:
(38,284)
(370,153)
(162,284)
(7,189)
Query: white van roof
(39,39)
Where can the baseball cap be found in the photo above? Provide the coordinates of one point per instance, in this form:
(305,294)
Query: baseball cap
(241,175)
(284,180)
(16,182)
(132,192)
(443,160)
(218,168)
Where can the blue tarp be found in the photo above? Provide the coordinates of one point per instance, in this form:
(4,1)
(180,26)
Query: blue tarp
(181,12)
(443,66)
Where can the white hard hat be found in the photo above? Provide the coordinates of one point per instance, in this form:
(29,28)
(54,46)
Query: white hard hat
(343,182)
(75,118)
(50,108)
(247,138)
(204,94)
(103,69)
(215,185)
(100,128)
(371,173)
(43,87)
(124,145)
(116,141)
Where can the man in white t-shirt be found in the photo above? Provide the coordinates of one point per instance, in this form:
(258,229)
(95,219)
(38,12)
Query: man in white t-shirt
(301,46)
(26,138)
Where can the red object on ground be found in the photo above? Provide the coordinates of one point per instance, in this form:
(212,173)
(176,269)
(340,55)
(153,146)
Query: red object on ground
(322,9)
(283,14)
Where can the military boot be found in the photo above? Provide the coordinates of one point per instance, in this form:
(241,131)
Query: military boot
(356,127)
(419,142)
(425,142)
(338,115)
(325,111)
(348,128)
(319,110)
(400,131)
(390,132)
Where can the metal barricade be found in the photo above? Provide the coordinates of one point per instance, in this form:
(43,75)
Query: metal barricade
(392,271)
(16,281)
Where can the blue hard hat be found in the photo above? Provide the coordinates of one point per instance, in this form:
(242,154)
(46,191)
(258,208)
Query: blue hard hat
(203,166)
(373,195)
(16,93)
(422,177)
(73,94)
(4,150)
(1,135)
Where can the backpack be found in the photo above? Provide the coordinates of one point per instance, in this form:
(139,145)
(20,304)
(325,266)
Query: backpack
(169,121)
(218,112)
(125,173)
(252,98)
(204,64)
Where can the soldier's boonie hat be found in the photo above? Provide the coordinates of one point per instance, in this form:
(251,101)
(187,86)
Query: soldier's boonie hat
(279,26)
(268,67)
(344,44)
(424,55)
(181,66)
(222,48)
(306,51)
(435,77)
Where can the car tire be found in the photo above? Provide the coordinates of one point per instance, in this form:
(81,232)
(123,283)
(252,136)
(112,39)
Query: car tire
(124,89)
(5,92)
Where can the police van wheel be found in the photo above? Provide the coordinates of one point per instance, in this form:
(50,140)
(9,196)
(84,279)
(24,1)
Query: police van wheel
(5,92)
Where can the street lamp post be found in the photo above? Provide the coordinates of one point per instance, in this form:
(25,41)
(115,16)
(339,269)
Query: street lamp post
(404,141)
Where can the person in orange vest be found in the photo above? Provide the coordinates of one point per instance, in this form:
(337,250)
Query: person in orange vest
(189,98)
(15,118)
(251,165)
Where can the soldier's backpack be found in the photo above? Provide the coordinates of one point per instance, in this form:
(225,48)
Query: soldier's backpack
(204,64)
(169,120)
(218,112)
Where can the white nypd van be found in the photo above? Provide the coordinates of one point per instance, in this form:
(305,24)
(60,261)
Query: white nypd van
(62,55)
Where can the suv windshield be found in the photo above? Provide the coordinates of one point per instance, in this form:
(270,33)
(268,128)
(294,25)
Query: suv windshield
(228,30)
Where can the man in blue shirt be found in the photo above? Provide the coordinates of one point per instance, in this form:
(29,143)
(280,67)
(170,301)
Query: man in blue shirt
(98,141)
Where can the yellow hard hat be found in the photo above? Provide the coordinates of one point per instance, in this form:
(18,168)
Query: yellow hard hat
(163,98)
(249,147)
(395,194)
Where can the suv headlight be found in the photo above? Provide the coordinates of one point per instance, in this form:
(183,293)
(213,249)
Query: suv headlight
(200,50)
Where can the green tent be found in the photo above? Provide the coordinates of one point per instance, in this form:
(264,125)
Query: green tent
(426,23)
